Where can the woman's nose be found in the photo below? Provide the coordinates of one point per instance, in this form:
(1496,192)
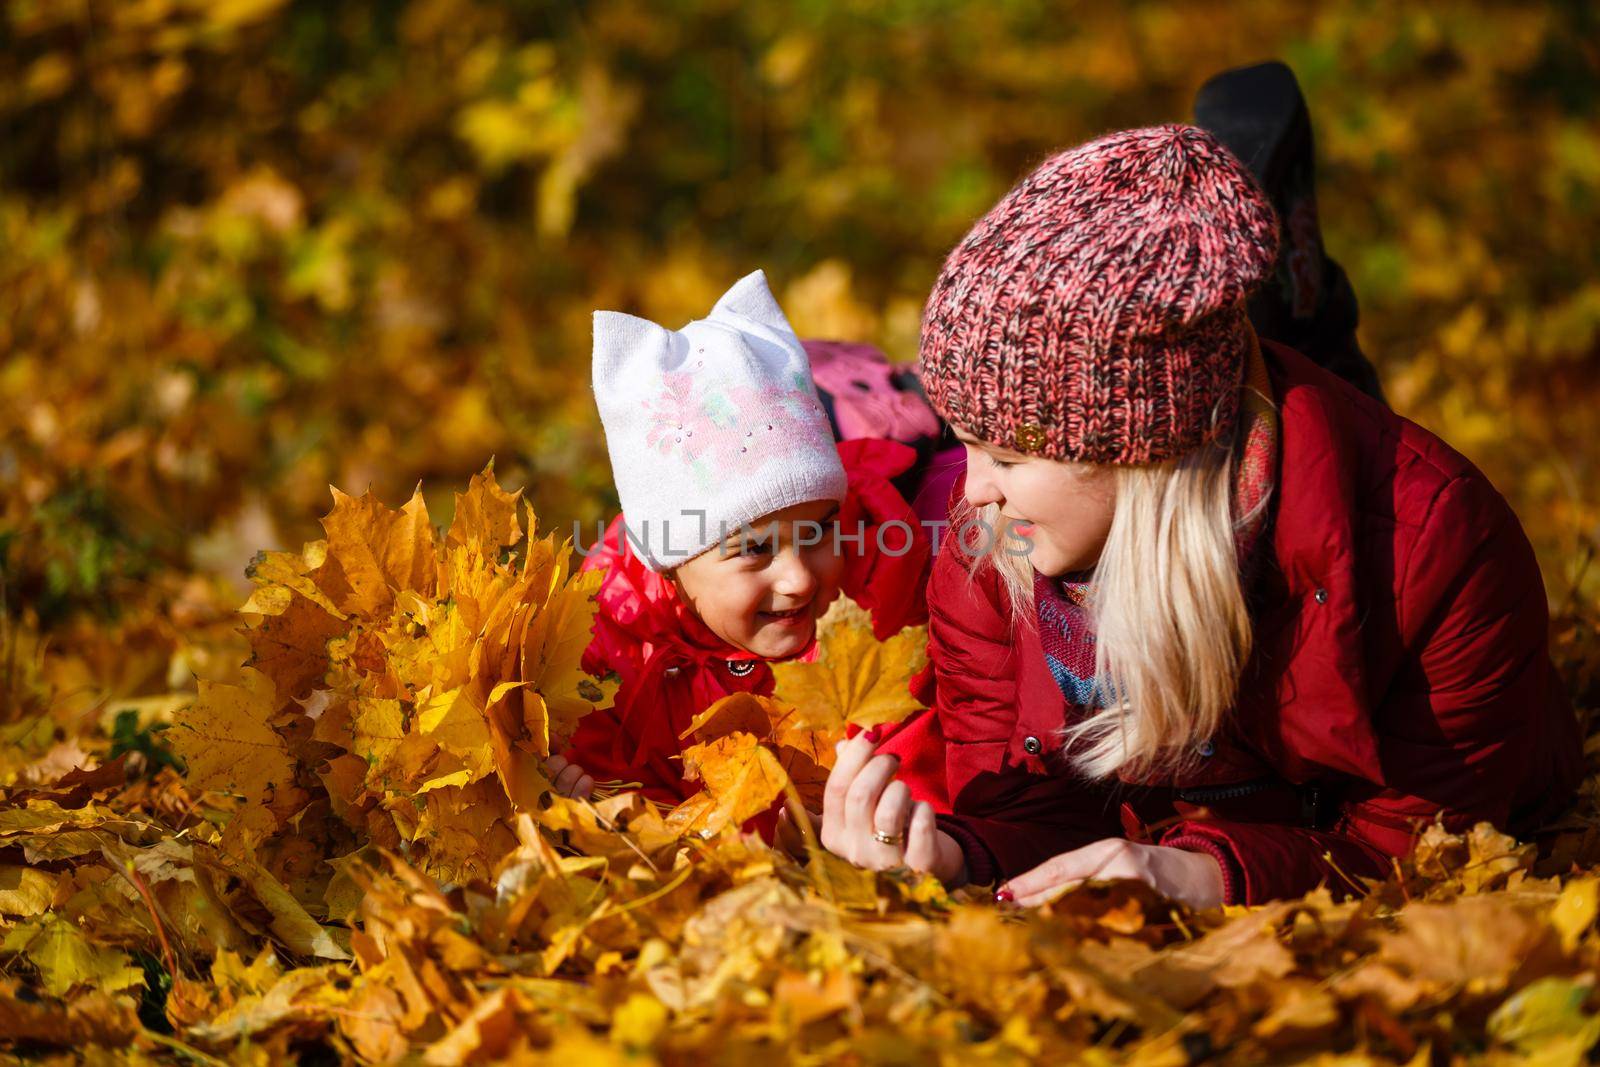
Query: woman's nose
(981,488)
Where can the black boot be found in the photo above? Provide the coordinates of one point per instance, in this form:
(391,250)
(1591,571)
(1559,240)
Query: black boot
(1260,114)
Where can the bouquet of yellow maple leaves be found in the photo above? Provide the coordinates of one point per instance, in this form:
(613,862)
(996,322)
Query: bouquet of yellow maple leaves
(406,683)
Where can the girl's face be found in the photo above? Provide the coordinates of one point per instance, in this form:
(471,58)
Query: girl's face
(766,585)
(1062,509)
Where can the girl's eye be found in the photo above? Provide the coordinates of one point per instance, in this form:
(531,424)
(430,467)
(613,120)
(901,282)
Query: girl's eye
(1002,463)
(755,548)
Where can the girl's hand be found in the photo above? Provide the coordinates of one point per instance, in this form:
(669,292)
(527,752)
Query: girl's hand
(868,817)
(1191,877)
(568,778)
(789,836)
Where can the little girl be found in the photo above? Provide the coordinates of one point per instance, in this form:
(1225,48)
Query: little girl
(725,554)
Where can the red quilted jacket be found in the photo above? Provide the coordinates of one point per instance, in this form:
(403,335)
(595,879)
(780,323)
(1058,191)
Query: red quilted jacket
(1401,672)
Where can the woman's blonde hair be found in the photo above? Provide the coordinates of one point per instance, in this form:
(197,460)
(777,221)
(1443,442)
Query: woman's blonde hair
(1172,628)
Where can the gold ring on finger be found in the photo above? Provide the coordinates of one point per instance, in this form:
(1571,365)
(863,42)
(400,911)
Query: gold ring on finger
(888,839)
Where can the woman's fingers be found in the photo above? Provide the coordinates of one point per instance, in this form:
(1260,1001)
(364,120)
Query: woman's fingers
(1048,879)
(861,802)
(851,756)
(922,838)
(890,819)
(1101,860)
(585,787)
(893,813)
(553,766)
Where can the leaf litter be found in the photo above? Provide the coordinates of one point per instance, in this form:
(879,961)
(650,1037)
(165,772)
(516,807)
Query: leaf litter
(362,859)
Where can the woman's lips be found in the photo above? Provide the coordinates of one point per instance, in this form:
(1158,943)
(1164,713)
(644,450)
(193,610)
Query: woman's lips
(1022,529)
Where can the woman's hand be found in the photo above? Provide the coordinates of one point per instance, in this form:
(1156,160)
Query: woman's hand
(1191,877)
(568,778)
(868,817)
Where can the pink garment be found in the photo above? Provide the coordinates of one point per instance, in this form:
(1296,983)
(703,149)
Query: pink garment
(857,380)
(866,402)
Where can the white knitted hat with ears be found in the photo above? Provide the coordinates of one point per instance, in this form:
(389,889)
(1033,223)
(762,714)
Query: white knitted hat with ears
(711,426)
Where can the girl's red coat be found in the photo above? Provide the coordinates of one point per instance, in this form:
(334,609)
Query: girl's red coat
(1401,671)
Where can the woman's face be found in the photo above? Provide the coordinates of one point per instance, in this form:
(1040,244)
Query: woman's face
(766,585)
(1063,510)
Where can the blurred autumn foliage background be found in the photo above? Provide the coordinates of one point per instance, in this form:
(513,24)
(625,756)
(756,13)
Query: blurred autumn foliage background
(249,248)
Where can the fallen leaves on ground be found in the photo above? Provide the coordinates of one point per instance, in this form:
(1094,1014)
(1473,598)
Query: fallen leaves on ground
(363,861)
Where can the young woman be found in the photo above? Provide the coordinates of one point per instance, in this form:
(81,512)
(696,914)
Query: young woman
(1227,624)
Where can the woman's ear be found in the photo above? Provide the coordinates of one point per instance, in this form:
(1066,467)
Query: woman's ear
(751,298)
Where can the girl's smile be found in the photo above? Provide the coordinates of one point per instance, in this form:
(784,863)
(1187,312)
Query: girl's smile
(727,585)
(792,617)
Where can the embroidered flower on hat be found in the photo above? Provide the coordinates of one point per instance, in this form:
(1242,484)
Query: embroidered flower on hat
(677,418)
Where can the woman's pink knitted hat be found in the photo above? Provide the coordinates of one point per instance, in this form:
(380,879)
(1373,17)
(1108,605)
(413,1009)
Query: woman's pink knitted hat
(1097,312)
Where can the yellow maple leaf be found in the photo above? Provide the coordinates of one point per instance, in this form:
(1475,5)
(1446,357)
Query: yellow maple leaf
(1574,911)
(743,778)
(377,731)
(462,830)
(804,754)
(227,742)
(455,722)
(279,575)
(290,924)
(66,958)
(380,550)
(749,713)
(290,642)
(856,680)
(553,642)
(25,891)
(486,515)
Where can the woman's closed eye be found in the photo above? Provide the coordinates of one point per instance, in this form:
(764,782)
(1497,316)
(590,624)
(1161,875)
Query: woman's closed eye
(1003,464)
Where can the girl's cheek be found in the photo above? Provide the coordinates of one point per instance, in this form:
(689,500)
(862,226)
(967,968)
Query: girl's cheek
(729,603)
(826,566)
(757,595)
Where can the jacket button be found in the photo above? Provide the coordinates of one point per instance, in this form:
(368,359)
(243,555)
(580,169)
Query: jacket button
(1032,746)
(1321,595)
(672,672)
